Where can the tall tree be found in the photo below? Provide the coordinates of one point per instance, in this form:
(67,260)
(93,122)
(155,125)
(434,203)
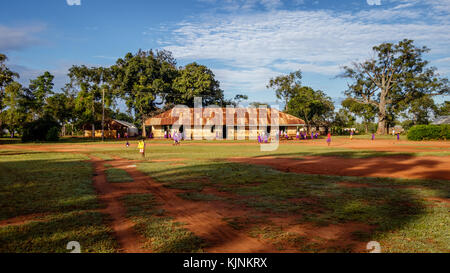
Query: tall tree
(393,78)
(195,80)
(310,105)
(86,80)
(142,78)
(285,86)
(6,77)
(14,115)
(61,106)
(40,89)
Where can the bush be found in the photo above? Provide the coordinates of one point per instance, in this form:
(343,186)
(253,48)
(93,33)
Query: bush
(53,134)
(429,132)
(43,129)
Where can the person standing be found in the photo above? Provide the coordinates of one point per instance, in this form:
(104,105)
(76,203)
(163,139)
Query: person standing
(329,139)
(141,147)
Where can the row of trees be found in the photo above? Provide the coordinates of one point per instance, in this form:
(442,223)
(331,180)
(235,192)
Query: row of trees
(149,82)
(396,83)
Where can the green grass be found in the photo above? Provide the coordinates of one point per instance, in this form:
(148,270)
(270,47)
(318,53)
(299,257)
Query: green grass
(102,156)
(163,234)
(114,175)
(197,196)
(391,210)
(58,186)
(398,210)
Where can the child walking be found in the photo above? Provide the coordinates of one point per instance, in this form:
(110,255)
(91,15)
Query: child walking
(329,139)
(141,147)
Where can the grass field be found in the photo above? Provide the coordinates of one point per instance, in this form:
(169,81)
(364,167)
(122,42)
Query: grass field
(303,197)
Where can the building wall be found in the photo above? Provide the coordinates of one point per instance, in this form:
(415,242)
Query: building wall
(98,133)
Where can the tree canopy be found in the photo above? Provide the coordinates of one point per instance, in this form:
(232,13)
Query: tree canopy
(313,106)
(397,75)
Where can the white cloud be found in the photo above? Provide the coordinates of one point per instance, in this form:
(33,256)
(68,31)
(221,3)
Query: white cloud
(322,38)
(374,2)
(73,2)
(255,46)
(16,38)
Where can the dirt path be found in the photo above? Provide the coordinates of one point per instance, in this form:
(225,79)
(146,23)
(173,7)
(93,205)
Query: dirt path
(431,167)
(109,194)
(204,219)
(23,219)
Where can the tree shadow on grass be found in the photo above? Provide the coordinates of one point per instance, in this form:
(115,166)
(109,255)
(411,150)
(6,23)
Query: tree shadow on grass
(315,199)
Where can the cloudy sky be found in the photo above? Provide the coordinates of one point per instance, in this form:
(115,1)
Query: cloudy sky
(244,42)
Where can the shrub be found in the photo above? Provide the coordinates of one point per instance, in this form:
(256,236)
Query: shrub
(43,129)
(52,134)
(429,132)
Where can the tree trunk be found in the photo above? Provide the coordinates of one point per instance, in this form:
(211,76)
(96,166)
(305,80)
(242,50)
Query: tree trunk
(93,130)
(144,133)
(382,114)
(366,127)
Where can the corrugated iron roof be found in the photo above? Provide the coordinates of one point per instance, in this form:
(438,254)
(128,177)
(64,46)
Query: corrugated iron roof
(247,116)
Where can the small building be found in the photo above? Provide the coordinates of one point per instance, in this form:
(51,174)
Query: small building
(248,117)
(112,129)
(441,120)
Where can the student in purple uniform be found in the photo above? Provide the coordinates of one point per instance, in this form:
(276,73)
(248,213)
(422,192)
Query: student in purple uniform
(398,136)
(329,139)
(373,136)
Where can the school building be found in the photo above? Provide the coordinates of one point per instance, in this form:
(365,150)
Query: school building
(249,118)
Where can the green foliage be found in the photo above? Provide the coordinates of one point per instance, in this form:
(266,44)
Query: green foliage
(314,107)
(15,115)
(42,129)
(429,132)
(196,80)
(40,88)
(53,134)
(6,77)
(142,77)
(286,86)
(395,77)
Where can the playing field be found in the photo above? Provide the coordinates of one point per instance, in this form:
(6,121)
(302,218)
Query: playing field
(226,196)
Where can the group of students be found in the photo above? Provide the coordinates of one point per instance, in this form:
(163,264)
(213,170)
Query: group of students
(176,136)
(301,135)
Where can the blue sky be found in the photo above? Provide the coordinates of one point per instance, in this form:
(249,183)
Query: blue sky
(244,42)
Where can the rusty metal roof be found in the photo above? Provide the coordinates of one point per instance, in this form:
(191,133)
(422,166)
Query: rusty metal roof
(247,116)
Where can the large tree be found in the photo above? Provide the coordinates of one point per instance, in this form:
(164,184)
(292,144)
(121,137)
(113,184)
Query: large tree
(286,86)
(15,114)
(6,77)
(86,81)
(195,80)
(39,90)
(61,106)
(142,78)
(396,76)
(313,106)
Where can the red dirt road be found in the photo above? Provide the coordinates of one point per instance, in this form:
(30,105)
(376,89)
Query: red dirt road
(435,167)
